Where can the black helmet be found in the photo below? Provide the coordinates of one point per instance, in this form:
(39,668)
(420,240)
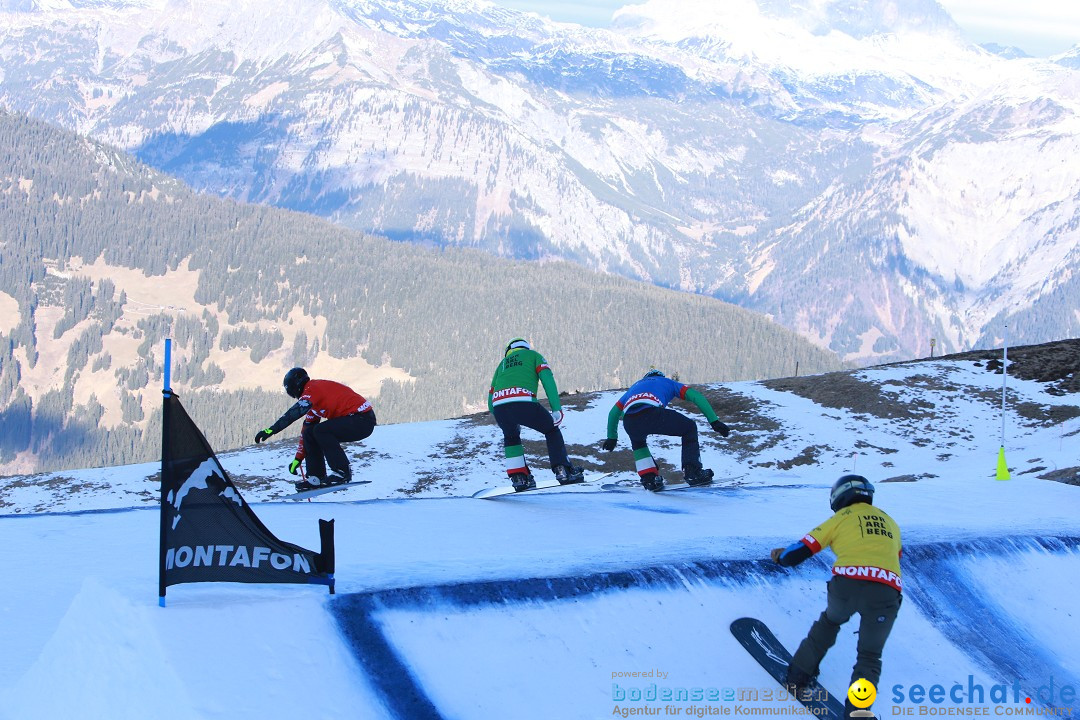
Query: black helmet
(295,380)
(652,373)
(850,489)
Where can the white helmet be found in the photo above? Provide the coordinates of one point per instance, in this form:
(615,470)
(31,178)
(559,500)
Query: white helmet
(518,343)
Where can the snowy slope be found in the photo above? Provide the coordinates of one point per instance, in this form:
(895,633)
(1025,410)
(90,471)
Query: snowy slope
(527,607)
(926,418)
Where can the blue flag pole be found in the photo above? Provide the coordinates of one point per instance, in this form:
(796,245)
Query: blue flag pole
(167,386)
(166,392)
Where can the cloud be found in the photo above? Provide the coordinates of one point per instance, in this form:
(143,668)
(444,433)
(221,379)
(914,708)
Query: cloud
(595,13)
(1038,26)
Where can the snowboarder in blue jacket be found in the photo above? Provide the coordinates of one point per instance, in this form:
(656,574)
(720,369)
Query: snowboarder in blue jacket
(644,412)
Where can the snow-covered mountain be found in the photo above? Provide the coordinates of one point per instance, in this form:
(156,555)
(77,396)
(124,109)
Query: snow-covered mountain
(756,151)
(542,605)
(1069,58)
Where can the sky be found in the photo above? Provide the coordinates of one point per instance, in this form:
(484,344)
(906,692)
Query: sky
(1038,27)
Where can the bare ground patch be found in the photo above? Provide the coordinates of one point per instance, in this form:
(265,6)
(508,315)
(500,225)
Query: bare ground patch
(54,485)
(426,480)
(808,456)
(460,452)
(1069,476)
(908,478)
(843,391)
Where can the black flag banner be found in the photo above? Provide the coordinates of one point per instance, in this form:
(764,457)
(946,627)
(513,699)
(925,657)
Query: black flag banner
(209,533)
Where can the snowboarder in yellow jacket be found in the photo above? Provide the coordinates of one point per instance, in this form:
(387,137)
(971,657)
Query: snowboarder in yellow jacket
(865,580)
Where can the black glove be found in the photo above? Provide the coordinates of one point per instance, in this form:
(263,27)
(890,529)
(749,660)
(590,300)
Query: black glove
(263,435)
(294,465)
(609,444)
(720,428)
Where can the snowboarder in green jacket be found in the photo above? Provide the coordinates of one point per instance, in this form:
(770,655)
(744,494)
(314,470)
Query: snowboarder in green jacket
(512,400)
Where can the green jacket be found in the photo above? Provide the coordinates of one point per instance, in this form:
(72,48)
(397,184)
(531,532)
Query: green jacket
(517,377)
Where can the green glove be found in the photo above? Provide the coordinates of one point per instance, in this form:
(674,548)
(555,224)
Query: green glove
(263,435)
(294,465)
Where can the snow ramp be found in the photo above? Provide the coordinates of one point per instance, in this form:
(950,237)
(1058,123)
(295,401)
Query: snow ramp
(988,625)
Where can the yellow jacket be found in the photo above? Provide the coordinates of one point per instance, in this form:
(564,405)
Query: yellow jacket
(866,542)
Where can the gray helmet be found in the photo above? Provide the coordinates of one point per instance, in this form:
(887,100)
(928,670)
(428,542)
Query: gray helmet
(850,489)
(294,382)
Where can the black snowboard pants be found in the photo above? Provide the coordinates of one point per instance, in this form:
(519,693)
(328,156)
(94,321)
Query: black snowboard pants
(663,421)
(512,416)
(322,442)
(877,605)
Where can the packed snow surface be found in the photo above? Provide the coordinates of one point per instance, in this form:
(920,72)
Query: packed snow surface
(571,603)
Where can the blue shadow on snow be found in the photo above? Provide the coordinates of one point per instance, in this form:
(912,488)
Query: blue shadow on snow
(937,583)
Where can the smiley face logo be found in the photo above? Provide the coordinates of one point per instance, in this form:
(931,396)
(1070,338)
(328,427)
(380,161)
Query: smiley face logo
(862,693)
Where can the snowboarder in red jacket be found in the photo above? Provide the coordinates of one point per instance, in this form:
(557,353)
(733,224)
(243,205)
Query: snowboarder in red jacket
(332,414)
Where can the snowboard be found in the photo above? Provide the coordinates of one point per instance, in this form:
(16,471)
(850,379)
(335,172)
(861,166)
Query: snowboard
(632,487)
(494,492)
(315,492)
(770,653)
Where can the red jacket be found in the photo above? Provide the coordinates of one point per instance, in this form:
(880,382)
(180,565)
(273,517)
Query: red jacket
(327,399)
(322,400)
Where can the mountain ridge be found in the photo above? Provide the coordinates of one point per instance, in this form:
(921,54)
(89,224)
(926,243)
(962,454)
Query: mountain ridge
(103,258)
